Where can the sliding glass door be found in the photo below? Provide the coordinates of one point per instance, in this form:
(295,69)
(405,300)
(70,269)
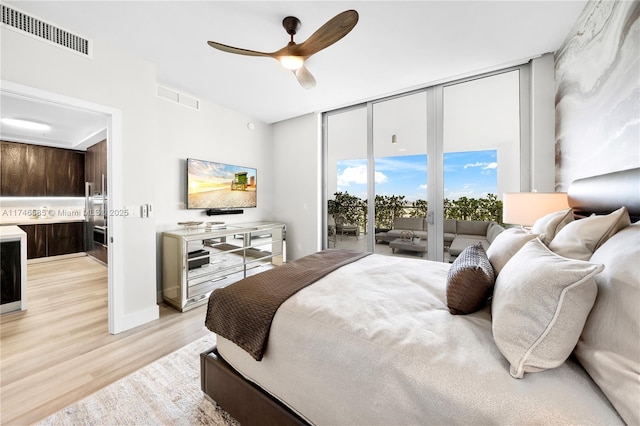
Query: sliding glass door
(400,172)
(481,150)
(346,179)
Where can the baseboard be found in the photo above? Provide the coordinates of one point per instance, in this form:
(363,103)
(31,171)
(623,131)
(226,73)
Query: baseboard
(127,322)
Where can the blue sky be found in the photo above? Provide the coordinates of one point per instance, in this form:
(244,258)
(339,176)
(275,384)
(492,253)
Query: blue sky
(471,174)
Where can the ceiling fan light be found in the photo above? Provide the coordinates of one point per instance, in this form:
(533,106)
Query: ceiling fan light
(292,62)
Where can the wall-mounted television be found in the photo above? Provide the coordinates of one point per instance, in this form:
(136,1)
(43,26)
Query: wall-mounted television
(212,185)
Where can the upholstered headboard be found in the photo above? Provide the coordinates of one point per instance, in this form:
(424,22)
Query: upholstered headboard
(603,194)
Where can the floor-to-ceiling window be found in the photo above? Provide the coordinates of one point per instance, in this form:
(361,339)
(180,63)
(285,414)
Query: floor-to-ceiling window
(443,152)
(481,146)
(400,169)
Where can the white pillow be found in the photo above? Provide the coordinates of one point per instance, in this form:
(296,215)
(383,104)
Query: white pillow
(580,238)
(505,245)
(609,347)
(540,304)
(551,224)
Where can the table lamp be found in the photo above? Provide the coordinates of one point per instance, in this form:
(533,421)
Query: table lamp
(524,208)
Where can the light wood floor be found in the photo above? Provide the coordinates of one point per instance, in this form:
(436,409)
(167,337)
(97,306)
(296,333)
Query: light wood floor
(59,350)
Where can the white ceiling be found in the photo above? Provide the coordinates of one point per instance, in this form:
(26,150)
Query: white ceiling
(396,45)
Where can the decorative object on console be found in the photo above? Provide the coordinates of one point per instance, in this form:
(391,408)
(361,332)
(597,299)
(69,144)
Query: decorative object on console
(524,208)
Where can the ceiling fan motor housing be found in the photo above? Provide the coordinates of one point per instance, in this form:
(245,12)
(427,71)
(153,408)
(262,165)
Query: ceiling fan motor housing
(291,24)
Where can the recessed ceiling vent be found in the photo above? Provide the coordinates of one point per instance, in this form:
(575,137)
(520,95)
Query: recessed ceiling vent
(177,97)
(17,20)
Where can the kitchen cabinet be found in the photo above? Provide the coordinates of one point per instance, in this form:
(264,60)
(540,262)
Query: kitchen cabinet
(54,239)
(64,172)
(96,167)
(34,171)
(36,240)
(96,177)
(22,169)
(65,238)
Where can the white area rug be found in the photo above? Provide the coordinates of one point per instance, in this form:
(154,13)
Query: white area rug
(165,392)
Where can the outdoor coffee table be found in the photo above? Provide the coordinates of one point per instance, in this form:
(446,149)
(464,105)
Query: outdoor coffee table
(402,244)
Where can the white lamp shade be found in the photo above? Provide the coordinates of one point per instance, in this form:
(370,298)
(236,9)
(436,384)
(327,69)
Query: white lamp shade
(524,208)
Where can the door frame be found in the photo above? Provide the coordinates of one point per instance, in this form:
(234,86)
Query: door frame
(113,116)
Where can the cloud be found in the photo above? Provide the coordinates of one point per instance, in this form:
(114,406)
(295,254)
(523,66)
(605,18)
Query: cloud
(492,165)
(358,175)
(483,165)
(424,186)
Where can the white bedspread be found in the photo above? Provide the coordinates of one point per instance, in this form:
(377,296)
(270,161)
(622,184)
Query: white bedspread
(374,343)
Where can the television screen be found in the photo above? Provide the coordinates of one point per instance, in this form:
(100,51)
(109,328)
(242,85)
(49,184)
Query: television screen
(212,185)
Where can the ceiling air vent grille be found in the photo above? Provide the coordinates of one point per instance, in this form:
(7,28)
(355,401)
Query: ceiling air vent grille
(177,97)
(43,30)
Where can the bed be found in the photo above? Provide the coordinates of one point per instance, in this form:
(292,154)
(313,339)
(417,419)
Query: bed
(387,340)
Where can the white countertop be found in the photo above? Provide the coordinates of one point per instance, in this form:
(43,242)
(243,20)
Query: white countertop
(11,233)
(39,221)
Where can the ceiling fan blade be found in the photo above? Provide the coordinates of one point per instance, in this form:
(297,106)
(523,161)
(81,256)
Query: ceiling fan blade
(237,50)
(305,78)
(332,31)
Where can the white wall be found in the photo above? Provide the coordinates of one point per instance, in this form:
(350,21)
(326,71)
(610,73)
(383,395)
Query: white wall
(296,160)
(212,133)
(152,137)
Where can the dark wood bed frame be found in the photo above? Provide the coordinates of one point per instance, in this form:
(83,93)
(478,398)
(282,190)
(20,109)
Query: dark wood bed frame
(243,400)
(251,405)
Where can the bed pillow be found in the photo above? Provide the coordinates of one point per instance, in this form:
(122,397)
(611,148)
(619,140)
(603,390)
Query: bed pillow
(505,245)
(470,281)
(551,224)
(540,304)
(609,347)
(580,238)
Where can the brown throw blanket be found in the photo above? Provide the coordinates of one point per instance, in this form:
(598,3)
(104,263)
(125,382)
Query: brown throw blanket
(243,311)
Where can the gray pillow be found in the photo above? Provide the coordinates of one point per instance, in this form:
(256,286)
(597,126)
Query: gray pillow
(551,224)
(609,347)
(469,281)
(580,238)
(505,245)
(540,304)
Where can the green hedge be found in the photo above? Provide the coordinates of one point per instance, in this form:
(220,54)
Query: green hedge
(354,209)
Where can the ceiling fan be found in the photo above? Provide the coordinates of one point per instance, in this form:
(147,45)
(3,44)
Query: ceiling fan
(293,55)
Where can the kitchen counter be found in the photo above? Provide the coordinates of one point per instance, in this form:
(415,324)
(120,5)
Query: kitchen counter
(40,221)
(8,233)
(14,268)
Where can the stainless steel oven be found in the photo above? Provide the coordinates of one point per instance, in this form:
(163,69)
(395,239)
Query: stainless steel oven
(100,235)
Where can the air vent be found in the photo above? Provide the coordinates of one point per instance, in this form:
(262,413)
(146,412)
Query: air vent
(20,21)
(177,97)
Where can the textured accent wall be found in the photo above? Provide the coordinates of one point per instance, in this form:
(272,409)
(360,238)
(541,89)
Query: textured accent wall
(598,93)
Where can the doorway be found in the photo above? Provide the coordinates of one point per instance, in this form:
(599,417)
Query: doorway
(112,118)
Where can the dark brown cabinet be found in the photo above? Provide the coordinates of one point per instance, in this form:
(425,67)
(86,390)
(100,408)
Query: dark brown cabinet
(65,172)
(36,240)
(54,239)
(96,167)
(65,238)
(22,170)
(34,171)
